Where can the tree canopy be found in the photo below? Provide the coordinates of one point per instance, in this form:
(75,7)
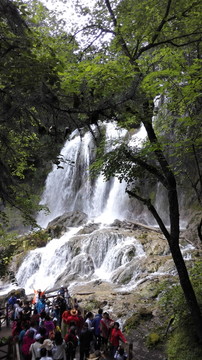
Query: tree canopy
(31,126)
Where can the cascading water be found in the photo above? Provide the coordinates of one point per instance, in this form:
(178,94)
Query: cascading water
(71,189)
(104,253)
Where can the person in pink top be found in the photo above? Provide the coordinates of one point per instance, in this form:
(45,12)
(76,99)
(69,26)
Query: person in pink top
(105,328)
(115,336)
(48,325)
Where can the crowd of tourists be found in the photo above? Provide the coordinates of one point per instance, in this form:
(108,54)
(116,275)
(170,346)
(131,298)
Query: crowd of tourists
(63,330)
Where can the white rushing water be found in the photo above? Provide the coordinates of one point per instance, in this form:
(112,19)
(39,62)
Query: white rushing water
(101,254)
(104,253)
(71,188)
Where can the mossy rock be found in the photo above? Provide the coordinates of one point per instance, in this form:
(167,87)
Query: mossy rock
(182,345)
(145,314)
(132,322)
(152,339)
(126,280)
(77,251)
(35,240)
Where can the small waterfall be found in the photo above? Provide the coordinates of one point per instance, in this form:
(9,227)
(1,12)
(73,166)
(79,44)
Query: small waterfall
(100,255)
(42,266)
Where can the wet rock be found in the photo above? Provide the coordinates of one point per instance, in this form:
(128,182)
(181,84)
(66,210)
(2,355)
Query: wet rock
(59,225)
(88,229)
(191,232)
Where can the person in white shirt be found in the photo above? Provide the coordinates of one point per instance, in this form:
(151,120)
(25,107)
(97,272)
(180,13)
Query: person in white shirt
(35,348)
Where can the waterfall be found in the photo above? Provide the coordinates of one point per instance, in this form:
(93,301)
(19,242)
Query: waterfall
(102,254)
(105,252)
(72,189)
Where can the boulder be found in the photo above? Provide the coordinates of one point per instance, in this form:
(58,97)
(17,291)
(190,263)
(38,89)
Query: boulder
(60,224)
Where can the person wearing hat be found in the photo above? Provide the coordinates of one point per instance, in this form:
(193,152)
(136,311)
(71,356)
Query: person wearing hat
(47,344)
(97,355)
(61,291)
(36,347)
(69,318)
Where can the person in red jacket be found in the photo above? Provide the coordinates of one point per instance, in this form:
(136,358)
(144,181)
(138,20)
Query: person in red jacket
(69,318)
(106,325)
(115,336)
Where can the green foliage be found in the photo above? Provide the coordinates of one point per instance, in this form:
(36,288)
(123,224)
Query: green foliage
(132,322)
(29,90)
(182,344)
(11,244)
(172,299)
(4,340)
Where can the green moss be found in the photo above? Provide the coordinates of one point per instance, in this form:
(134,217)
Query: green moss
(126,280)
(11,245)
(182,345)
(35,239)
(143,236)
(132,322)
(152,339)
(77,251)
(92,305)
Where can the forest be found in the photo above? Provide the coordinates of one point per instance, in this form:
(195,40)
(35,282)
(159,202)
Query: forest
(123,58)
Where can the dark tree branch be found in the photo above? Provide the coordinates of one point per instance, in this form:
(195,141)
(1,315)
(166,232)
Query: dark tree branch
(199,230)
(97,27)
(199,170)
(162,23)
(152,209)
(118,34)
(108,5)
(151,169)
(170,41)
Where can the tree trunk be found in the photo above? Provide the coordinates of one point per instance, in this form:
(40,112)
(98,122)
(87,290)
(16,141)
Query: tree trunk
(187,289)
(173,235)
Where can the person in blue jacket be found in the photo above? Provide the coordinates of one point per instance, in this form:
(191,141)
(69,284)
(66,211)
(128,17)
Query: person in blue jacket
(96,325)
(40,305)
